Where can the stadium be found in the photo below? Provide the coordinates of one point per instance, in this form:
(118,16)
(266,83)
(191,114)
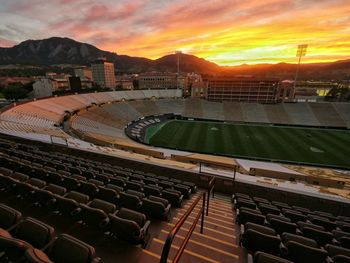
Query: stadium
(137,176)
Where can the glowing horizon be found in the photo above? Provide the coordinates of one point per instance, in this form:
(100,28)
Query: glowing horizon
(227,32)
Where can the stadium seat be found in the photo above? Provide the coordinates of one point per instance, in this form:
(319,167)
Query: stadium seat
(299,239)
(156,207)
(134,185)
(301,225)
(268,209)
(240,202)
(107,194)
(152,190)
(107,207)
(262,229)
(185,190)
(337,250)
(280,205)
(67,249)
(150,181)
(295,216)
(256,241)
(129,225)
(130,201)
(93,217)
(262,257)
(35,232)
(322,237)
(137,193)
(322,221)
(304,254)
(88,188)
(282,226)
(12,250)
(8,216)
(279,217)
(174,197)
(245,216)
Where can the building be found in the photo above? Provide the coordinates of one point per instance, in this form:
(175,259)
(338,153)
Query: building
(249,89)
(83,73)
(313,90)
(161,80)
(103,73)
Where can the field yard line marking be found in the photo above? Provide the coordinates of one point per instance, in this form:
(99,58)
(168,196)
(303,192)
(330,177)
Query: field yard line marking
(189,252)
(207,246)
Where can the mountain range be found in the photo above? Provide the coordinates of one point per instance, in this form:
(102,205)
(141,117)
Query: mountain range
(58,51)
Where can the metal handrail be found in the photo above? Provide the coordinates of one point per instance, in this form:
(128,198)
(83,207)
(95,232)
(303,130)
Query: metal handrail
(211,186)
(176,228)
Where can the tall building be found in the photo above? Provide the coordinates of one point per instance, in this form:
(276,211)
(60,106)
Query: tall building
(103,73)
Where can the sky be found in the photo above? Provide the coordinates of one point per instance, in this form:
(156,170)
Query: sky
(227,32)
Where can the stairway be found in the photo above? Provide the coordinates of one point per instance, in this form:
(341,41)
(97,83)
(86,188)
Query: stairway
(218,243)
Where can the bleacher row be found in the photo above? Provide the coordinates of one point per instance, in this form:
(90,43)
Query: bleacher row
(110,199)
(277,232)
(25,239)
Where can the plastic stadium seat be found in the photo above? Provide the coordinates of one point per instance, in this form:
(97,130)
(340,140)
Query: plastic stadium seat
(88,188)
(134,185)
(256,211)
(93,217)
(268,209)
(341,259)
(240,202)
(282,218)
(261,200)
(257,241)
(345,226)
(322,237)
(70,183)
(301,225)
(325,214)
(19,177)
(35,232)
(283,226)
(118,189)
(119,181)
(245,216)
(107,207)
(102,177)
(136,177)
(54,178)
(301,209)
(337,250)
(323,221)
(191,185)
(8,216)
(156,207)
(304,254)
(152,190)
(344,218)
(150,181)
(129,225)
(185,190)
(96,182)
(67,249)
(295,216)
(174,197)
(260,228)
(286,237)
(79,197)
(261,257)
(166,184)
(12,250)
(280,205)
(129,201)
(107,194)
(5,171)
(67,206)
(140,195)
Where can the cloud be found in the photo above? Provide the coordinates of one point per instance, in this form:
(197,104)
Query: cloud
(220,30)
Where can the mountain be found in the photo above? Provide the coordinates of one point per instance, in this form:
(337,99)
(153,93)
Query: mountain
(57,51)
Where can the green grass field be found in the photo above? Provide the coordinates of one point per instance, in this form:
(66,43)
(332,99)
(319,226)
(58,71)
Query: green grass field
(296,144)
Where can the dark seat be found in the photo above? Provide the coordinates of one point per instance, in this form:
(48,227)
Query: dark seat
(79,197)
(174,197)
(240,202)
(283,226)
(184,189)
(33,231)
(156,207)
(295,216)
(191,185)
(107,207)
(8,216)
(299,239)
(304,254)
(150,181)
(257,241)
(269,209)
(282,218)
(323,221)
(67,249)
(93,217)
(262,257)
(130,201)
(166,184)
(133,185)
(337,250)
(88,188)
(261,200)
(260,228)
(280,205)
(107,194)
(129,225)
(322,237)
(301,225)
(152,190)
(137,193)
(246,216)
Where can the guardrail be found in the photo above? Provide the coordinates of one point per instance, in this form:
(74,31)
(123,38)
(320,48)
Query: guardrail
(176,228)
(211,186)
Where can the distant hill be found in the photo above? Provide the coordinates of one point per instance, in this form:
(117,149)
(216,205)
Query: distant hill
(57,51)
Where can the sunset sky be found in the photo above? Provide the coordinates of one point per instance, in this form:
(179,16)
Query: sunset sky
(227,32)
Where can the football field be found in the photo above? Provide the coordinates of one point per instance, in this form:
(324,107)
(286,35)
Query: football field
(293,144)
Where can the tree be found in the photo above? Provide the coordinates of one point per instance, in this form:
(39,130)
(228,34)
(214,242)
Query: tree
(14,91)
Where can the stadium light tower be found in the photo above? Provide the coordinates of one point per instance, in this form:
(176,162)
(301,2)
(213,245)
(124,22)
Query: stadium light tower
(178,67)
(301,52)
